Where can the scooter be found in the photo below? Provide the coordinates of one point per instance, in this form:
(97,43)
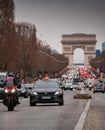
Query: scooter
(10,98)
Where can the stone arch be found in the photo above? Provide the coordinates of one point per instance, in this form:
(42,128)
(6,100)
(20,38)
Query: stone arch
(78,60)
(87,42)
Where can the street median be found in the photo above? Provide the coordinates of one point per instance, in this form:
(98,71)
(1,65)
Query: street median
(82,96)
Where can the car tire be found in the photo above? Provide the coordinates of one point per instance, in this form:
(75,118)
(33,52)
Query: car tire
(32,103)
(61,103)
(26,95)
(10,108)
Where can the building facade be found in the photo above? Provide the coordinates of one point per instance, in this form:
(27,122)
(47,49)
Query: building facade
(98,53)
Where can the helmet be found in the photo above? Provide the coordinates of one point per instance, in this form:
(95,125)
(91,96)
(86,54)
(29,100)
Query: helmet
(11,75)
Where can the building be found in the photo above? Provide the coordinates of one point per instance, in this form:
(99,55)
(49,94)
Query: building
(98,53)
(103,46)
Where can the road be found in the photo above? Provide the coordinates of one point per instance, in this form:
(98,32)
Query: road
(43,116)
(50,116)
(96,115)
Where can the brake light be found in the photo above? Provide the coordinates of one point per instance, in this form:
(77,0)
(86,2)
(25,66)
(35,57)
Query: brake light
(103,87)
(94,87)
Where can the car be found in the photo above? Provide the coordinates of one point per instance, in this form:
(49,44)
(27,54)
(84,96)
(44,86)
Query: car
(90,81)
(23,91)
(98,87)
(29,87)
(1,93)
(76,84)
(68,85)
(3,77)
(46,91)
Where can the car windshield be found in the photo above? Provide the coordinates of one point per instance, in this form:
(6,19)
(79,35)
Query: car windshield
(2,77)
(42,85)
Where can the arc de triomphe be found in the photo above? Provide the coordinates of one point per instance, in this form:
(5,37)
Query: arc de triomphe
(87,42)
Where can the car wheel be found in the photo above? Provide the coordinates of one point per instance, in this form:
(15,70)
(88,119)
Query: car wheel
(61,103)
(26,95)
(71,89)
(32,103)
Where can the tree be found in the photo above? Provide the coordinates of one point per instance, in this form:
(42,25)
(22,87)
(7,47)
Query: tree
(25,46)
(6,33)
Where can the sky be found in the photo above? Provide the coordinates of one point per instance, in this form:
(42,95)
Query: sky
(53,18)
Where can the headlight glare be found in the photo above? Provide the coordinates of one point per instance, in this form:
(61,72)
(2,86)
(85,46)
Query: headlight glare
(23,91)
(14,90)
(56,93)
(6,91)
(35,93)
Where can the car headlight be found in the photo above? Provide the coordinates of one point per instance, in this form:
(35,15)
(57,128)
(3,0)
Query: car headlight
(34,93)
(23,91)
(58,92)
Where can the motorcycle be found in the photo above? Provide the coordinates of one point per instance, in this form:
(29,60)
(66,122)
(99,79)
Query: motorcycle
(10,98)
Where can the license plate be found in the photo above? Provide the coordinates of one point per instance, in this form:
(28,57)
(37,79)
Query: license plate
(46,97)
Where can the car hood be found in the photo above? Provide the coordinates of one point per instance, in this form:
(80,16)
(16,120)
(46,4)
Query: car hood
(46,90)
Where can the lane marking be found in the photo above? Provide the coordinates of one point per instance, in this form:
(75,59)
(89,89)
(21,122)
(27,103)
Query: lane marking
(81,121)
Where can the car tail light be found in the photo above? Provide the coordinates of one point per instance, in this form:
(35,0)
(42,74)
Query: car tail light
(103,87)
(94,87)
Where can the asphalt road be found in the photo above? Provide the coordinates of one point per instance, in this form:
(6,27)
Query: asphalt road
(95,119)
(43,116)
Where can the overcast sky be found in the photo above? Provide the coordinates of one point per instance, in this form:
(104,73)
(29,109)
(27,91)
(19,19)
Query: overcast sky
(53,18)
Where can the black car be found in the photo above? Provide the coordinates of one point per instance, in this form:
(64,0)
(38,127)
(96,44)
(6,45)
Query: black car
(46,91)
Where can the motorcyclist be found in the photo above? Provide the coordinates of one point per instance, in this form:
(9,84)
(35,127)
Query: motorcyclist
(11,80)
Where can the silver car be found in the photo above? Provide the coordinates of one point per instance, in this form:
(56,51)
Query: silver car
(68,85)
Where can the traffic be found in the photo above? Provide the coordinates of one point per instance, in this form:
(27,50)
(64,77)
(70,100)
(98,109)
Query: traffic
(47,88)
(48,102)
